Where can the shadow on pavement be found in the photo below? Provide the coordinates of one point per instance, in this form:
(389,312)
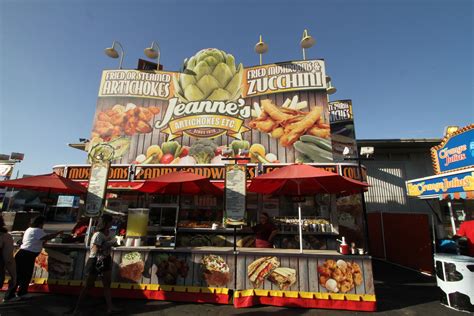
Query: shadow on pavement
(399,291)
(397,287)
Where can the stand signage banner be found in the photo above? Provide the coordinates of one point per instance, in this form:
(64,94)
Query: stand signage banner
(116,173)
(442,184)
(68,201)
(213,172)
(455,152)
(341,120)
(6,170)
(235,190)
(96,188)
(274,113)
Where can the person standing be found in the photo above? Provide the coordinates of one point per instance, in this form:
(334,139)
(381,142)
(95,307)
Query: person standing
(32,244)
(7,262)
(467,230)
(99,263)
(265,232)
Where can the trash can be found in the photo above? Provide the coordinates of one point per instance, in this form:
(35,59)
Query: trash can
(455,278)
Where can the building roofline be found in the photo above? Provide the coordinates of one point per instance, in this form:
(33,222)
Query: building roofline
(400,143)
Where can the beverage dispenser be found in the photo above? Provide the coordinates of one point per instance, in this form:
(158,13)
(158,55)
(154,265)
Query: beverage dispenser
(137,226)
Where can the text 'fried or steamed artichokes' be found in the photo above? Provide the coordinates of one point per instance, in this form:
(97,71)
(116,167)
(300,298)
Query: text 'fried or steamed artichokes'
(211,74)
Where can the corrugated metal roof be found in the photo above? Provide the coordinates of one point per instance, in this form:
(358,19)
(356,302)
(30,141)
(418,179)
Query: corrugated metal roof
(387,191)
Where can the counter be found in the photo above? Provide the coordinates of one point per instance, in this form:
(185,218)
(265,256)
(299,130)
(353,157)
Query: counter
(455,278)
(188,274)
(225,237)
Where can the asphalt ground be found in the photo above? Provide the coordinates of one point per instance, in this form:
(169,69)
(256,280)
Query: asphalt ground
(399,291)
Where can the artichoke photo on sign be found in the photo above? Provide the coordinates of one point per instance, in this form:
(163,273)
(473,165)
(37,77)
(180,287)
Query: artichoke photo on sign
(211,74)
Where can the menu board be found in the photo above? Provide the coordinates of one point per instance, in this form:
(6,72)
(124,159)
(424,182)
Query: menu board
(97,187)
(343,139)
(67,201)
(235,188)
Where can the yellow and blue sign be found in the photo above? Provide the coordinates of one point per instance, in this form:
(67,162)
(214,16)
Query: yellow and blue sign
(456,152)
(443,184)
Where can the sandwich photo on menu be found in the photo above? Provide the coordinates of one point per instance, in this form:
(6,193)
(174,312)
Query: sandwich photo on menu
(259,269)
(283,277)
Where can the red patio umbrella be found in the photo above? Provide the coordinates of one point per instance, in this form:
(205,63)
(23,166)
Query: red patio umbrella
(177,183)
(302,179)
(50,182)
(299,179)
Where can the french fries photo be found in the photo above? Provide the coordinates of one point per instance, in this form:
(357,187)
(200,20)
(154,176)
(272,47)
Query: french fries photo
(287,122)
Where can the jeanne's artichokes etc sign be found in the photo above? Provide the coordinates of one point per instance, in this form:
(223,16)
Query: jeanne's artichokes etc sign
(277,112)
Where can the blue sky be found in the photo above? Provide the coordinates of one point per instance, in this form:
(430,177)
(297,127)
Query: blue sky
(407,65)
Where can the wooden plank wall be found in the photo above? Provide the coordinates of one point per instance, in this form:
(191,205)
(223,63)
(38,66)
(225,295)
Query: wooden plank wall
(152,260)
(76,270)
(307,276)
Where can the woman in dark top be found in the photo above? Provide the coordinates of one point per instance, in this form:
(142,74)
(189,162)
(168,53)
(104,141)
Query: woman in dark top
(7,262)
(265,232)
(99,263)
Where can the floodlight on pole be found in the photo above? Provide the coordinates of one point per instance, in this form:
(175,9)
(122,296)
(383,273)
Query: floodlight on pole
(153,52)
(330,89)
(261,48)
(113,53)
(307,41)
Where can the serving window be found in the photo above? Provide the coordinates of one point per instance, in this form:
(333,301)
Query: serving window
(200,211)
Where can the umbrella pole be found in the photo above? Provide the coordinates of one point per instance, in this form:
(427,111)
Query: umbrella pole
(299,219)
(235,238)
(177,216)
(299,227)
(46,206)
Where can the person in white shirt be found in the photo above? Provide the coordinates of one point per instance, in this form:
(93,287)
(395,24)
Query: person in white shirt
(32,244)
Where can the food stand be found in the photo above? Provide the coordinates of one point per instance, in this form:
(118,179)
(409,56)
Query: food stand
(152,123)
(453,189)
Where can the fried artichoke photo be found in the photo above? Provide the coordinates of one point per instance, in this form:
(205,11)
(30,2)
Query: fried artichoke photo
(211,74)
